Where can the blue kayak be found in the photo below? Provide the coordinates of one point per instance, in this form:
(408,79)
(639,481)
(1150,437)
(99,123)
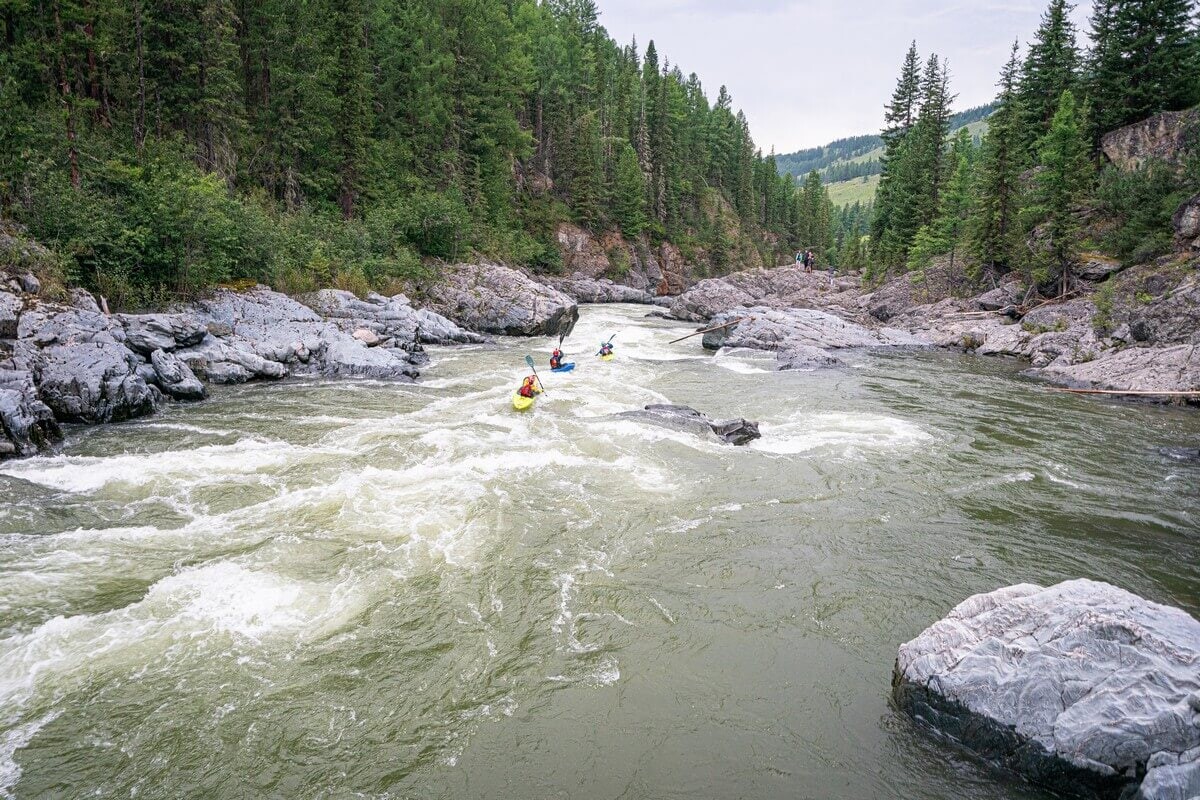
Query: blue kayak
(564,367)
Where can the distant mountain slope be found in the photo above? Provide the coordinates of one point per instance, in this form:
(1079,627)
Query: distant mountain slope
(858,156)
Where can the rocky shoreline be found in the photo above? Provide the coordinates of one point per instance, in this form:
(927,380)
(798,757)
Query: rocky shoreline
(69,361)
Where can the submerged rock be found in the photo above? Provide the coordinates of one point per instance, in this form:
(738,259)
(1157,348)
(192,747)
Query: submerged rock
(492,298)
(731,431)
(1081,687)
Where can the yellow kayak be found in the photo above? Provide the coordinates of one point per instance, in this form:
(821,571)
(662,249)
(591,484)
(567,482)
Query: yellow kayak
(521,403)
(608,357)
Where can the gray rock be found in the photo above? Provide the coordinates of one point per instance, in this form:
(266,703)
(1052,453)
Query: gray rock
(392,318)
(94,382)
(145,333)
(27,425)
(1082,687)
(1181,454)
(226,372)
(29,283)
(10,313)
(1187,224)
(1097,268)
(778,329)
(1148,369)
(83,300)
(1003,296)
(730,431)
(804,357)
(175,377)
(781,288)
(585,289)
(491,298)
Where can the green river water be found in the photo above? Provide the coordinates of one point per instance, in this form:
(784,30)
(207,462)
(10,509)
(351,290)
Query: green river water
(356,589)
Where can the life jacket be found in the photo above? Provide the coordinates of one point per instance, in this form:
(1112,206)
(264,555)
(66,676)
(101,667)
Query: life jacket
(527,387)
(605,349)
(555,359)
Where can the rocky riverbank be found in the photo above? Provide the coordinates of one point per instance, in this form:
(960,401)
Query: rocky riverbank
(1131,329)
(69,361)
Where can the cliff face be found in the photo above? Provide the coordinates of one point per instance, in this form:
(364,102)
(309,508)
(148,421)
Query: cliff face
(1164,137)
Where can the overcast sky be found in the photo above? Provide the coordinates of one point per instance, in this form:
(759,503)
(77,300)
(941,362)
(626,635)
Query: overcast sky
(810,71)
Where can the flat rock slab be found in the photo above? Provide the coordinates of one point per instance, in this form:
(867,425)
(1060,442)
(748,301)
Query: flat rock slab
(496,299)
(1081,687)
(730,431)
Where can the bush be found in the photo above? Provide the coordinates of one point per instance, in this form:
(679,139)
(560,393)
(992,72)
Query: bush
(1142,202)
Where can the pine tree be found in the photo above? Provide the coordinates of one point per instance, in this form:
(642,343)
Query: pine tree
(945,234)
(629,201)
(1144,60)
(995,228)
(1061,183)
(899,118)
(1051,67)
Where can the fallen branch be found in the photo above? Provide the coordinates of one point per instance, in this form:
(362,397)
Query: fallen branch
(1127,392)
(714,328)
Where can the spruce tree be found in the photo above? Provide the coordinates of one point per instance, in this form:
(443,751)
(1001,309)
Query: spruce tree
(899,118)
(1144,60)
(995,226)
(1062,181)
(1051,67)
(629,201)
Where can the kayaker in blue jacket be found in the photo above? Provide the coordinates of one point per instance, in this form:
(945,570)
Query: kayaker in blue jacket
(606,349)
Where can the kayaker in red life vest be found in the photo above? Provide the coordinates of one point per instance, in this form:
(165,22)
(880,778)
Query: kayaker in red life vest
(529,387)
(556,359)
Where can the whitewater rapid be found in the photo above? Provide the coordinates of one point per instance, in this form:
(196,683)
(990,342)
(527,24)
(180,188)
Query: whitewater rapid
(358,588)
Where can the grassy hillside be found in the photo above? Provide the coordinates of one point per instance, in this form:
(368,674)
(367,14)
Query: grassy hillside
(858,157)
(847,193)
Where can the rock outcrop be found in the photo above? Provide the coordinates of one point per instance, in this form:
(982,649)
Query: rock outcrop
(74,363)
(27,425)
(491,298)
(599,290)
(784,287)
(800,338)
(656,271)
(1081,687)
(392,319)
(1164,137)
(730,431)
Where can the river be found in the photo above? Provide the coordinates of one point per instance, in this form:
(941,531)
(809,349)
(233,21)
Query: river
(356,589)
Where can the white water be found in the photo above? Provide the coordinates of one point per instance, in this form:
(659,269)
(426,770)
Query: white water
(367,589)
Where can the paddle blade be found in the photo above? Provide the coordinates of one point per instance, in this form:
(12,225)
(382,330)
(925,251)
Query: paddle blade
(529,361)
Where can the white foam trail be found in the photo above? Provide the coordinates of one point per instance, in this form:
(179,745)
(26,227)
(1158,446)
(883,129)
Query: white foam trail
(83,474)
(13,740)
(847,433)
(222,598)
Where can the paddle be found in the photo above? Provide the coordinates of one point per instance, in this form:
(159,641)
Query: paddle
(529,361)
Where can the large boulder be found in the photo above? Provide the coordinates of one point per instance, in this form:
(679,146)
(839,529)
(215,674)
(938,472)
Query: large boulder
(175,377)
(94,382)
(491,298)
(1164,137)
(1081,687)
(27,425)
(145,333)
(730,431)
(83,369)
